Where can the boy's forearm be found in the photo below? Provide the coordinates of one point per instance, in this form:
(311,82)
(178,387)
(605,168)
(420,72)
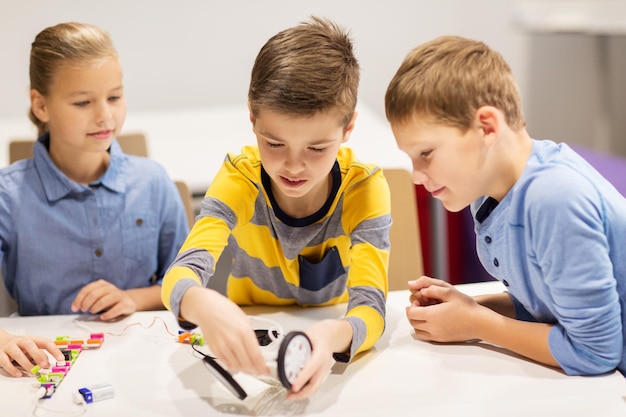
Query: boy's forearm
(528,339)
(342,330)
(338,333)
(190,299)
(501,303)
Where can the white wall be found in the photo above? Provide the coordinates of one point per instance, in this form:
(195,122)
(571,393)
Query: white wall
(198,53)
(195,53)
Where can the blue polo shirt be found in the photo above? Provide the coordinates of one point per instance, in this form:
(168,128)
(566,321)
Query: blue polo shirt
(56,235)
(557,241)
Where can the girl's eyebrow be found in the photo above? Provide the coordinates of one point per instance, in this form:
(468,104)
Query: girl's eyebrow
(83,92)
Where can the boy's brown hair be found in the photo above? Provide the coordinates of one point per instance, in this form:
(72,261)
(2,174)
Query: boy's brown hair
(448,79)
(304,70)
(66,45)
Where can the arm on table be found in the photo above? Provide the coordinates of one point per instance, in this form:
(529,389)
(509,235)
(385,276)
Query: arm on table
(441,313)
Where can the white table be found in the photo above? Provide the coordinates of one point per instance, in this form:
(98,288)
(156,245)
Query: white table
(154,375)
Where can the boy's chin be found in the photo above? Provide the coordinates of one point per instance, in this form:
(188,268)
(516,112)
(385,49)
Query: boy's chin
(453,206)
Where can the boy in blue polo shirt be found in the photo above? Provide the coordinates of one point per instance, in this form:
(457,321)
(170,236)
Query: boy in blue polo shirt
(548,225)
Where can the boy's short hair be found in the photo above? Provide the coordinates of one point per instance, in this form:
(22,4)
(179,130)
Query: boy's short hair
(304,70)
(448,79)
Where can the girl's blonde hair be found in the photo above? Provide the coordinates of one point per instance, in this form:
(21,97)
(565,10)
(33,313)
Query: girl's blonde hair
(66,45)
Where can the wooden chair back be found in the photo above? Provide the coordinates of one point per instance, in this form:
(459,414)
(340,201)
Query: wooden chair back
(131,143)
(405,258)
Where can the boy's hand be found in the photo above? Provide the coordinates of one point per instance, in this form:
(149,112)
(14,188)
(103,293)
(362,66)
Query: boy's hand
(325,342)
(441,313)
(417,296)
(227,330)
(103,298)
(25,351)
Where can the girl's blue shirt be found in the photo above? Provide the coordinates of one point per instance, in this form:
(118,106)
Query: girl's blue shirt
(57,235)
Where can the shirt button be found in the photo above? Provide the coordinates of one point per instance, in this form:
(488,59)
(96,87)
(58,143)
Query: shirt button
(496,262)
(488,239)
(98,252)
(139,222)
(505,282)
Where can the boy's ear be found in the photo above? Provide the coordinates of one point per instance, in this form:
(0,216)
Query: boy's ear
(349,128)
(38,106)
(251,115)
(489,121)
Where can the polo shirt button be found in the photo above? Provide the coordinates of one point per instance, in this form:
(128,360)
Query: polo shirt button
(505,282)
(488,239)
(496,262)
(139,222)
(98,252)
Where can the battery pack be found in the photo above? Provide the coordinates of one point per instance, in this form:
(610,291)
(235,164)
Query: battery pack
(98,392)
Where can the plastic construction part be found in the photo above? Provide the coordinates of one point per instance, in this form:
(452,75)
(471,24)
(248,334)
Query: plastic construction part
(212,365)
(93,342)
(285,355)
(224,377)
(50,379)
(46,391)
(97,392)
(190,338)
(295,351)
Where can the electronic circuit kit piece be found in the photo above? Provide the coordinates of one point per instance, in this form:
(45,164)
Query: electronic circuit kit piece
(49,379)
(94,393)
(285,355)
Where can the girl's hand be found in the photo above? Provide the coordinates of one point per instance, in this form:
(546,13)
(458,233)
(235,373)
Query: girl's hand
(26,352)
(103,298)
